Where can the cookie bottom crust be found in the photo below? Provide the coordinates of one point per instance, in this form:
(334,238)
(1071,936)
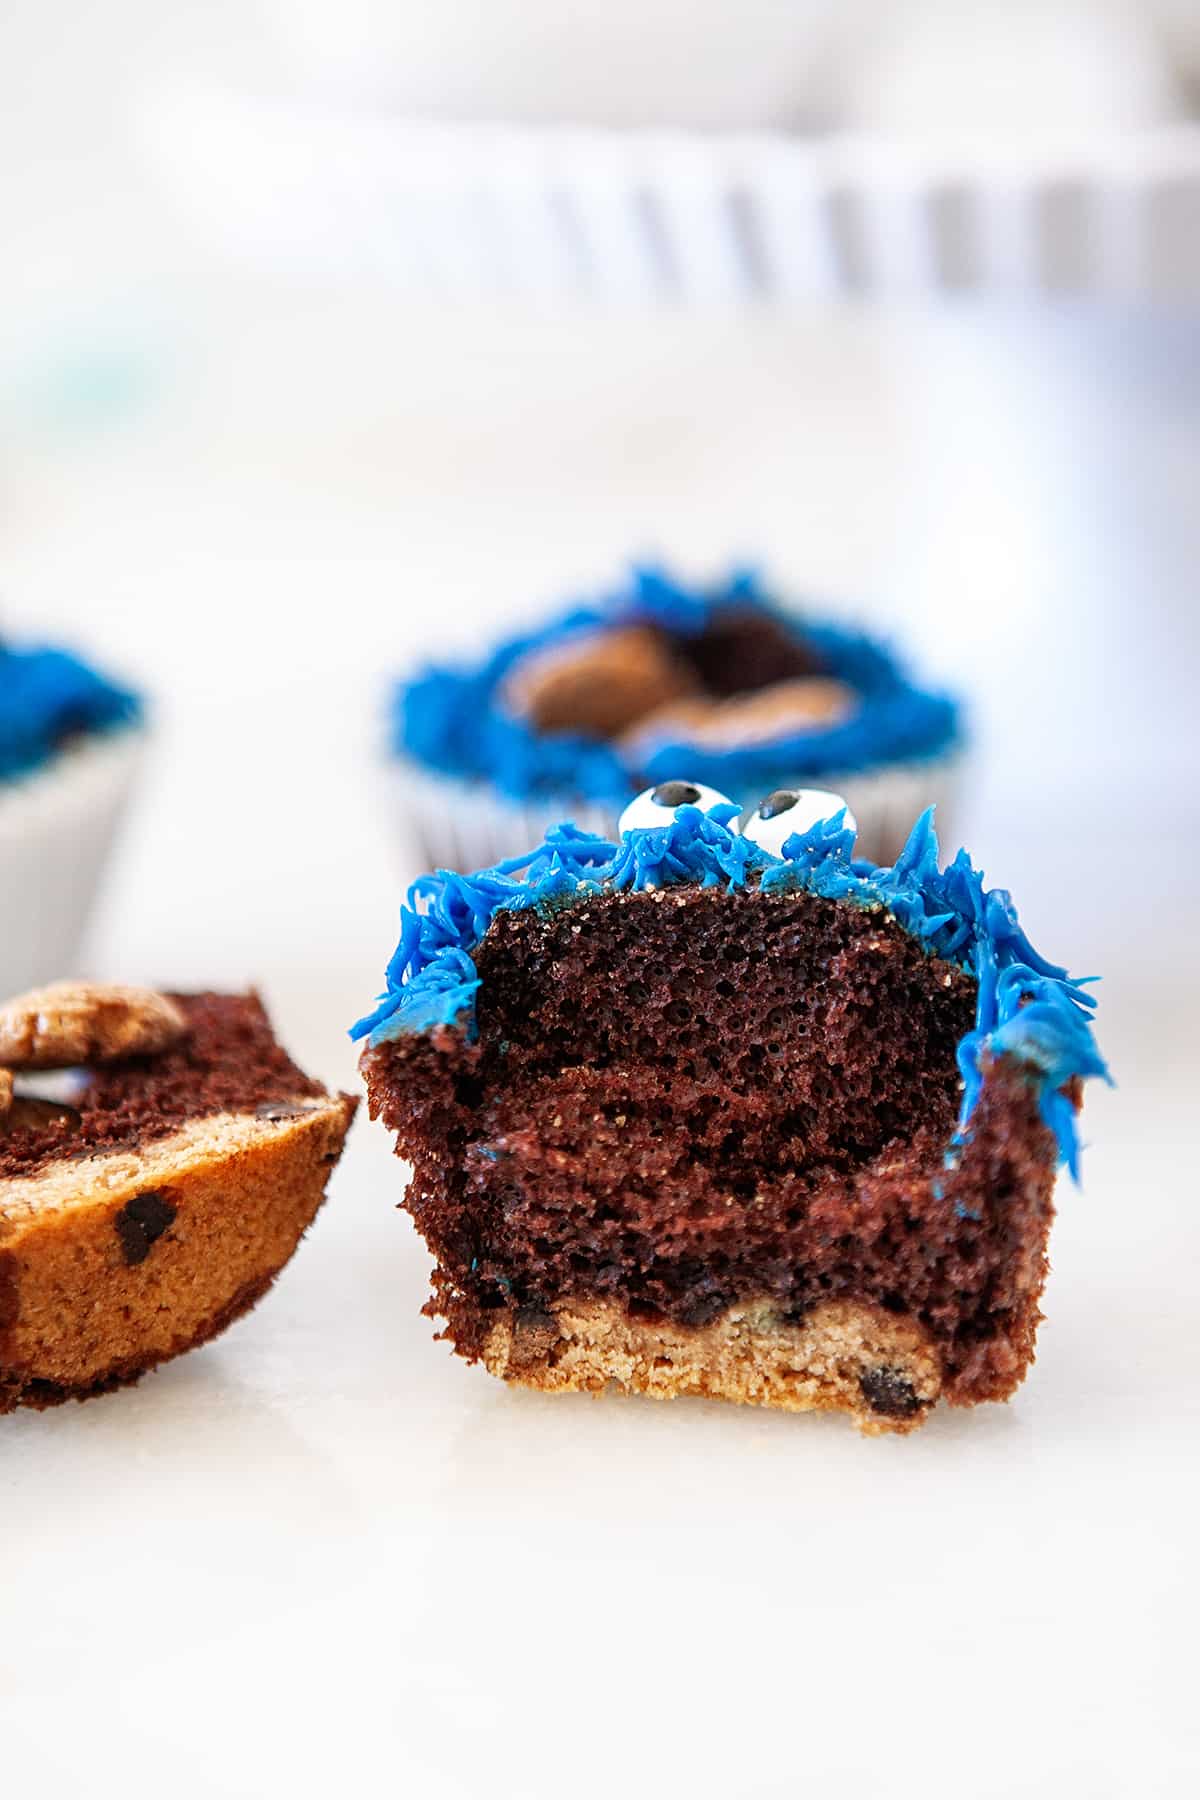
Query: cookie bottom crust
(41,1394)
(112,1265)
(844,1356)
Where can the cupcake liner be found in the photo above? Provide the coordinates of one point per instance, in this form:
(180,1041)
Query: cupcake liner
(444,823)
(56,828)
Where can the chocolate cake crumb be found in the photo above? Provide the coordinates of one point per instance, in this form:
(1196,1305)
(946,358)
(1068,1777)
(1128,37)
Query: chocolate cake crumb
(141,1222)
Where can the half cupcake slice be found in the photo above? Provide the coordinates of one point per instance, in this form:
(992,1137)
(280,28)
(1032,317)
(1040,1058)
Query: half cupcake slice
(150,1195)
(728,1112)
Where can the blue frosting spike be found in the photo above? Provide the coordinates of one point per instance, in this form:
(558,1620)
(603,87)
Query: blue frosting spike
(1026,1007)
(451,719)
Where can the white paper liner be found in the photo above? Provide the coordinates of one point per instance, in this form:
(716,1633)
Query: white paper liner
(56,828)
(447,824)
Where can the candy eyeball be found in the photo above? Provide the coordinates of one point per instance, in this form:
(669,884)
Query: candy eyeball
(658,805)
(780,815)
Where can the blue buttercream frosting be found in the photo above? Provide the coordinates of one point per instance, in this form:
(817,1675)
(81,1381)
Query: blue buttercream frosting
(1026,1008)
(451,720)
(48,696)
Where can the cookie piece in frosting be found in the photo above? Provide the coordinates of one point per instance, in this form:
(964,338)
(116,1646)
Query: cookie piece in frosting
(806,703)
(720,1109)
(597,683)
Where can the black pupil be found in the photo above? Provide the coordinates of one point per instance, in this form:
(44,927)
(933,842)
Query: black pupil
(675,793)
(781,801)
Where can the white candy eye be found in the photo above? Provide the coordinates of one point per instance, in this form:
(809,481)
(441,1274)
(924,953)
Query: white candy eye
(657,805)
(788,810)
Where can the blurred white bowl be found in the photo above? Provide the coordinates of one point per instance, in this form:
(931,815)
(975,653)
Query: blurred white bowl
(553,214)
(673,62)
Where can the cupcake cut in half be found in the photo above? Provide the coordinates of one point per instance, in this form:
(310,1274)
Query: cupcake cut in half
(572,720)
(152,1185)
(721,1109)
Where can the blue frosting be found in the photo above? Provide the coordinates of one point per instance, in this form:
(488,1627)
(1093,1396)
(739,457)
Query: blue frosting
(1027,1008)
(48,696)
(450,719)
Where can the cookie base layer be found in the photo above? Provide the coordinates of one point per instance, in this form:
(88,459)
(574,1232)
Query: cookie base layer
(111,1264)
(843,1357)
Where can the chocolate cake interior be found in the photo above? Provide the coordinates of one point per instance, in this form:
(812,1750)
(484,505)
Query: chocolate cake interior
(229,1062)
(683,1098)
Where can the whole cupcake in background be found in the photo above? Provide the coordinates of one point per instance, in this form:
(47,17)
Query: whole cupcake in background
(723,683)
(70,739)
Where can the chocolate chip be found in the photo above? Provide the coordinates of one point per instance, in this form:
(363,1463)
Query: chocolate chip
(889,1392)
(702,1308)
(675,793)
(531,1317)
(781,801)
(141,1222)
(535,1333)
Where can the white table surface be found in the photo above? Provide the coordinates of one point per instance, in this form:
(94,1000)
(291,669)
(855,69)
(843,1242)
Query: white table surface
(324,1557)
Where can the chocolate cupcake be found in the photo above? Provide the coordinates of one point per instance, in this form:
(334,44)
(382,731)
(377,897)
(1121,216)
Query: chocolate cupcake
(722,1109)
(722,684)
(70,742)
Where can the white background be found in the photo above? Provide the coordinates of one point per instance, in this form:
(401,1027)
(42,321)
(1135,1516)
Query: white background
(322,1556)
